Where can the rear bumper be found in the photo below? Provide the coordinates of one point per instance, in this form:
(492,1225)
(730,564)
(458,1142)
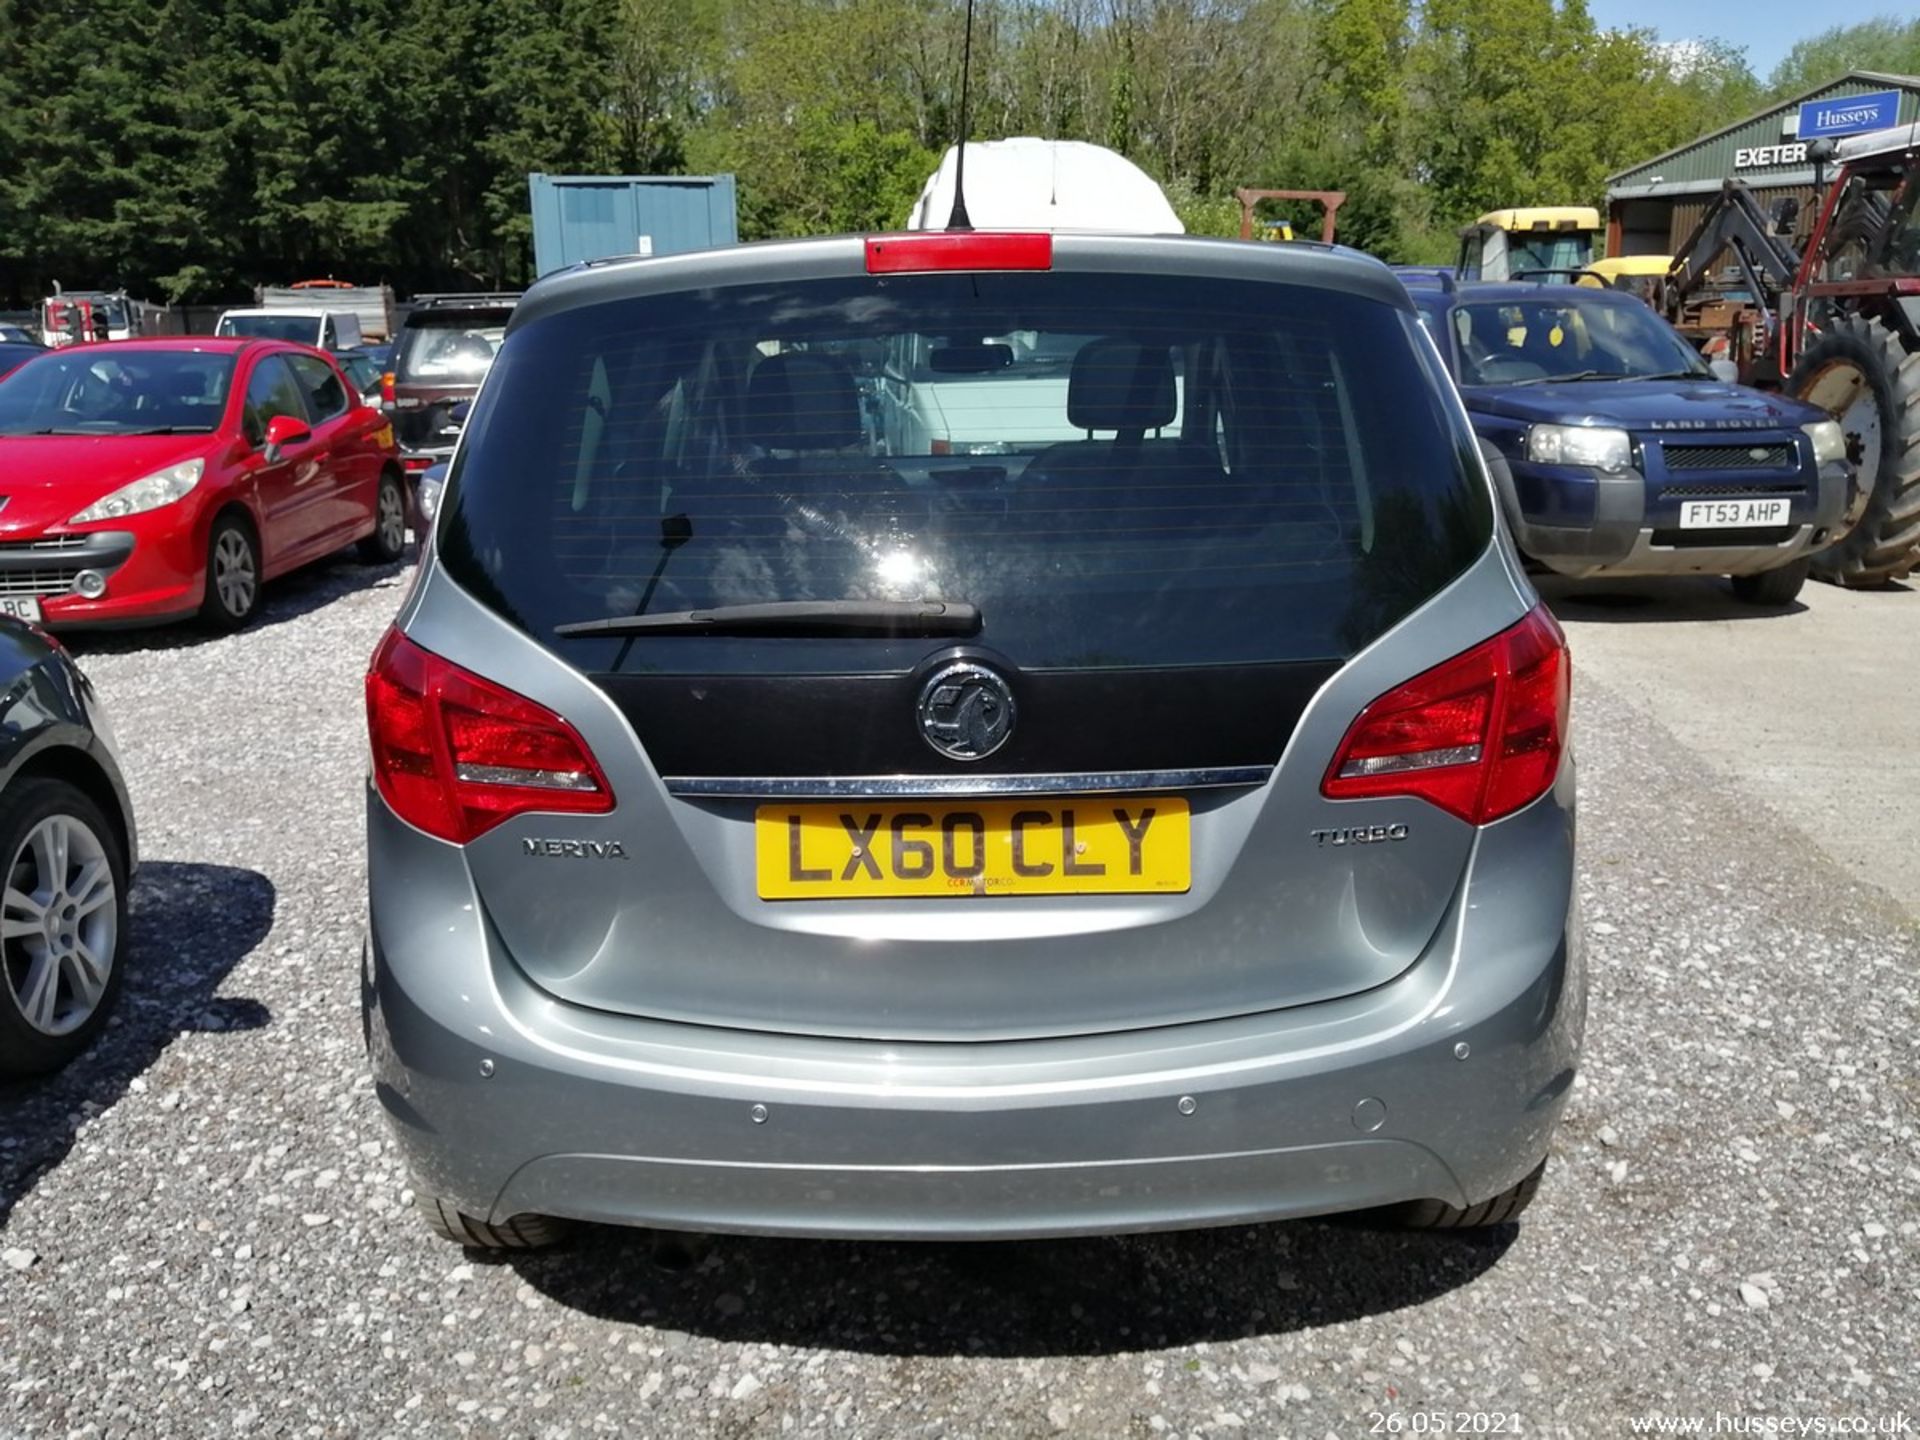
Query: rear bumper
(1446,1083)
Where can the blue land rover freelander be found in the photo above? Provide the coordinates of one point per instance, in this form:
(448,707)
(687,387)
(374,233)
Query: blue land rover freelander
(1616,451)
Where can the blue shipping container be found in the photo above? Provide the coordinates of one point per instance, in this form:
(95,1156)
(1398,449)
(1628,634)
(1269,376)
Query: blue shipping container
(591,217)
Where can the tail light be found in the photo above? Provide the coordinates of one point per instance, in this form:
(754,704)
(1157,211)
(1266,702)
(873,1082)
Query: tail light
(455,754)
(1480,735)
(386,389)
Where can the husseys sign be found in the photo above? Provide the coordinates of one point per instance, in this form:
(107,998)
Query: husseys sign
(1849,114)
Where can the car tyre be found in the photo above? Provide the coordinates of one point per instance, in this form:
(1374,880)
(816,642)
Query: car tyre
(388,542)
(233,574)
(1502,1209)
(1773,587)
(522,1232)
(65,924)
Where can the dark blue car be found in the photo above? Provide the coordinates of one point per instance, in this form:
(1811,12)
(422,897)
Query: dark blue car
(1616,451)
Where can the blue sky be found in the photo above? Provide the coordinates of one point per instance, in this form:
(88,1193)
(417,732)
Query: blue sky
(1766,29)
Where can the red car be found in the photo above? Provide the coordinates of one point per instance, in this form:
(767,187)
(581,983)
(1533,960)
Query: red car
(153,480)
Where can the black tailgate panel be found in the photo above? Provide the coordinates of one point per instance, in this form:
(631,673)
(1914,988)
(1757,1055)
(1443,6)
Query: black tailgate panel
(1068,721)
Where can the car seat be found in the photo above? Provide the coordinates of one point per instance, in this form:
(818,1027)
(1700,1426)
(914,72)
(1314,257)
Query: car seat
(802,414)
(178,398)
(1538,349)
(1491,353)
(1117,385)
(1128,483)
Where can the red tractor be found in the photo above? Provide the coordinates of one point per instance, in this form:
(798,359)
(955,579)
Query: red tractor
(1839,320)
(1850,340)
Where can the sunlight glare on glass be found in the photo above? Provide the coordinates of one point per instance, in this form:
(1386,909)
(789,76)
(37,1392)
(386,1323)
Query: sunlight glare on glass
(900,570)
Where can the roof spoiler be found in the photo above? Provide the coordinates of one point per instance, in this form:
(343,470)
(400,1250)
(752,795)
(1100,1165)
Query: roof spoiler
(1436,277)
(469,297)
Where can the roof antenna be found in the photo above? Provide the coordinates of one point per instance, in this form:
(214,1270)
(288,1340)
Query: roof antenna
(959,220)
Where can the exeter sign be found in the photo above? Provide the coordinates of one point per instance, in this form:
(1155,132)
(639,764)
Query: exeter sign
(1756,156)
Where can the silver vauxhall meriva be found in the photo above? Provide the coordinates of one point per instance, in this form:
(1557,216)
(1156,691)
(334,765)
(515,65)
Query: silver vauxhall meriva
(775,828)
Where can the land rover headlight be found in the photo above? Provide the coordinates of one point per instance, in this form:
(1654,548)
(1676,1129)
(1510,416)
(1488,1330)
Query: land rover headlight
(150,492)
(1594,446)
(1829,440)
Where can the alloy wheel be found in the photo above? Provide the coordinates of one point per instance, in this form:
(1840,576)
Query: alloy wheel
(392,519)
(59,924)
(235,576)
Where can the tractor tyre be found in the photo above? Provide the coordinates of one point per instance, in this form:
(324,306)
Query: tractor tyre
(1854,231)
(1861,374)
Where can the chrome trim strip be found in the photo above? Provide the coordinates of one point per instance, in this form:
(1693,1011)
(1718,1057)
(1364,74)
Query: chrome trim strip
(882,787)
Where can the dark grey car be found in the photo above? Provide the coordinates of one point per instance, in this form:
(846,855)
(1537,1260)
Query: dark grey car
(67,842)
(778,826)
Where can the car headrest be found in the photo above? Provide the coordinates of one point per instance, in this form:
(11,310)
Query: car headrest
(1121,385)
(802,401)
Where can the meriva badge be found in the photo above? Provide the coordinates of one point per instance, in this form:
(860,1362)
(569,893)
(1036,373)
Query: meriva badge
(575,849)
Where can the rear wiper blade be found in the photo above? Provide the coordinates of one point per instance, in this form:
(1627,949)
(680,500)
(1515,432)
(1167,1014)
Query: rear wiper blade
(795,617)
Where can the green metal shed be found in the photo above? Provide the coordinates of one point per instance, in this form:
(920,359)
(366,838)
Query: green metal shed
(1652,206)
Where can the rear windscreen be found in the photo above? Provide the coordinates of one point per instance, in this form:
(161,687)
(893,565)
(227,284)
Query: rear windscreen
(295,329)
(454,347)
(1116,470)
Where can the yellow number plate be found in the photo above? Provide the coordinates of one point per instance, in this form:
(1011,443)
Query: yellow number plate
(854,849)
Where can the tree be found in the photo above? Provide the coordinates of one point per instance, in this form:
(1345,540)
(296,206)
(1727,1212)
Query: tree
(1887,44)
(663,53)
(1526,102)
(832,112)
(541,109)
(193,148)
(310,132)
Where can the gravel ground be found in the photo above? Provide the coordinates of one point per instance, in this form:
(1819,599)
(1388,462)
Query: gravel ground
(204,1230)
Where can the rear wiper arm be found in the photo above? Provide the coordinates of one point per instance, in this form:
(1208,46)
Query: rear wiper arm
(795,617)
